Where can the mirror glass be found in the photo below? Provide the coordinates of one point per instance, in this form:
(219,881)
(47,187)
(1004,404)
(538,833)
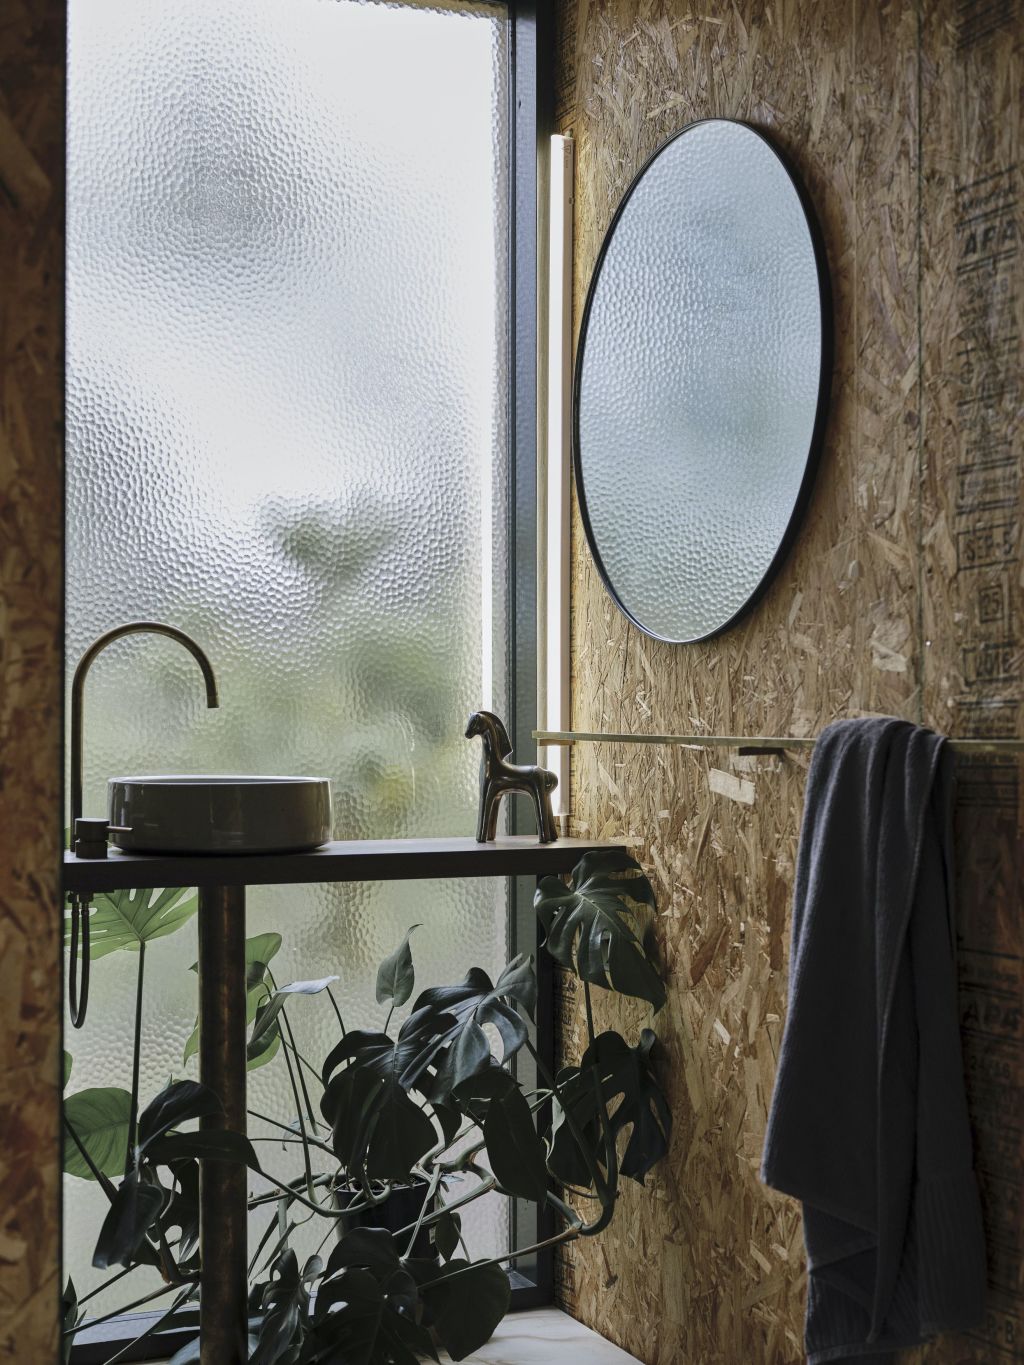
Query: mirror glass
(701,381)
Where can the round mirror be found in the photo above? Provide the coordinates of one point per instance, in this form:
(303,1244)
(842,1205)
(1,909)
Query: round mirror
(701,381)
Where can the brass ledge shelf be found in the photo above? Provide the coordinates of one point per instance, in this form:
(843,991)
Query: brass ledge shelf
(770,742)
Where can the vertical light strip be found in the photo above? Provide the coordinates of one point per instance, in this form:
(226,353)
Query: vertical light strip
(558,445)
(487,581)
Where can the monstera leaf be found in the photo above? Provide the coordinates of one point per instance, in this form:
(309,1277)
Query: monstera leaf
(136,1206)
(259,950)
(142,1197)
(472,1003)
(181,1211)
(625,1074)
(70,1316)
(127,919)
(395,975)
(177,1103)
(447,1231)
(515,1149)
(265,1023)
(466,1308)
(377,1128)
(366,1305)
(285,1301)
(375,1249)
(598,926)
(99,1119)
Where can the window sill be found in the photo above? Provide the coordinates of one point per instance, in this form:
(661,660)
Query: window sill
(546,1336)
(542,1336)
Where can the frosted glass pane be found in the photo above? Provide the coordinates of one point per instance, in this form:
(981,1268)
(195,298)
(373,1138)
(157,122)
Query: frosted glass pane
(287,255)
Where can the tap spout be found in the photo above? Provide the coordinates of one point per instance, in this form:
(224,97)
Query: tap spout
(78,689)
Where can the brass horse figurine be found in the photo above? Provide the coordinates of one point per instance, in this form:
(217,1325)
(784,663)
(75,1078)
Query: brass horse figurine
(498,777)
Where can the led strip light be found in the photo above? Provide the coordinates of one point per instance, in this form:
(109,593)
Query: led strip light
(554,601)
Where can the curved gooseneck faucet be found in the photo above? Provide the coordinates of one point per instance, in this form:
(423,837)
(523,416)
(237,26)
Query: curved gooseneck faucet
(78,690)
(80,904)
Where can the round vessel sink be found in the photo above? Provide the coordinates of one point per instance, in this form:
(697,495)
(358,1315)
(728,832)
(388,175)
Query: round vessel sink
(210,813)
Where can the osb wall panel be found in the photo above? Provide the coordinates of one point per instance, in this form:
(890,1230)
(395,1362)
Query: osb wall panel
(869,615)
(31,510)
(972,318)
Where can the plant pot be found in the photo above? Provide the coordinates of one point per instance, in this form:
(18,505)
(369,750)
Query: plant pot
(399,1210)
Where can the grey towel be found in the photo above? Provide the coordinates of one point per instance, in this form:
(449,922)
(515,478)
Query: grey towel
(868,1124)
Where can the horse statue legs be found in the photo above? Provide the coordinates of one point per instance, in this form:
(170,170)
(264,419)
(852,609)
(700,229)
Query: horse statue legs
(487,822)
(542,801)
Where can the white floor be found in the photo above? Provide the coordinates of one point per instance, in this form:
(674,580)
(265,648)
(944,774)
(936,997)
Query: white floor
(544,1337)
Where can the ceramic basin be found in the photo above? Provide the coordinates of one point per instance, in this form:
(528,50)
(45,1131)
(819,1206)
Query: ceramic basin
(211,813)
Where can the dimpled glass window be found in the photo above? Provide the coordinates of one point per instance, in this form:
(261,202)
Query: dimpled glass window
(287,380)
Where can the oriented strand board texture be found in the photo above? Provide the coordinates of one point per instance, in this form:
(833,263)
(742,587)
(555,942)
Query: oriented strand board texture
(889,603)
(972,319)
(31,515)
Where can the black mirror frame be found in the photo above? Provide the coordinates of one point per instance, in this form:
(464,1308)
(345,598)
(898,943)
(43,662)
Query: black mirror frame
(817,440)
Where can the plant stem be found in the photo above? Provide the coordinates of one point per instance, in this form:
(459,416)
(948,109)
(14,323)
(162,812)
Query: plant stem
(125,1308)
(282,1239)
(611,1160)
(103,1181)
(603,1192)
(133,1112)
(161,1322)
(304,1061)
(323,1240)
(337,1011)
(106,1284)
(591,1035)
(172,1272)
(302,1079)
(283,1140)
(257,1201)
(487,1183)
(263,1242)
(571,1216)
(286,1127)
(439,1148)
(569,1234)
(293,1194)
(428,1198)
(307,1164)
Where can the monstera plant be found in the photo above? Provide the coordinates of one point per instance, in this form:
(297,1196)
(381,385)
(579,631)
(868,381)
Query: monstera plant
(398,1130)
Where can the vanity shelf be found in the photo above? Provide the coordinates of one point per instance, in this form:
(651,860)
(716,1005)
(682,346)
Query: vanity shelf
(344,860)
(221,880)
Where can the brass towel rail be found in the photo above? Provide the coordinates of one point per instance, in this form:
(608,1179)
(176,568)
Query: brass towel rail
(750,742)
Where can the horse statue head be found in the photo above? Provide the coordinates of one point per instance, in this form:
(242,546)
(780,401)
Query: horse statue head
(495,736)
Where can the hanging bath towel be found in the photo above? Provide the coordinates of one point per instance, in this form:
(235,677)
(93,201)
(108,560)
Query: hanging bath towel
(868,1124)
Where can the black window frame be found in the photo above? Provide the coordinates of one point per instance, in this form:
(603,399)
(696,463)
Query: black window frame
(531,123)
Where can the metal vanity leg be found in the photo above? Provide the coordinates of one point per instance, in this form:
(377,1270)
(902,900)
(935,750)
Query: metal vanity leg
(223,1186)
